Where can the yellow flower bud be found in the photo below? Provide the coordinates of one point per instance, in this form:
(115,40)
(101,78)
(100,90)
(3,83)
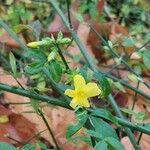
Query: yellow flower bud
(33,44)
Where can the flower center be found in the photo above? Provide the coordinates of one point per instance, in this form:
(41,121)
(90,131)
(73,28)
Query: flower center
(80,94)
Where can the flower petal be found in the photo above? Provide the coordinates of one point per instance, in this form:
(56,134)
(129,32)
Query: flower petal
(70,93)
(84,103)
(73,103)
(91,90)
(79,81)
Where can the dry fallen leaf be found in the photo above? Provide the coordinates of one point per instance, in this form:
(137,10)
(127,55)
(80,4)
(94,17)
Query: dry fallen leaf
(16,127)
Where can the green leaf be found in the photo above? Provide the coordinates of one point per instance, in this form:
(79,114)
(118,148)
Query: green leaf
(147,125)
(36,27)
(103,113)
(103,128)
(41,84)
(72,129)
(146,59)
(52,55)
(132,77)
(9,2)
(140,117)
(36,54)
(79,17)
(20,28)
(35,104)
(13,63)
(104,84)
(34,68)
(128,42)
(86,73)
(101,145)
(77,58)
(138,69)
(128,111)
(13,35)
(60,36)
(85,139)
(43,146)
(29,147)
(119,86)
(6,146)
(55,69)
(114,144)
(92,10)
(94,134)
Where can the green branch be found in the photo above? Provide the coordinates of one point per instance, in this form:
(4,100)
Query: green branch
(122,60)
(128,131)
(49,129)
(31,94)
(58,102)
(24,47)
(128,86)
(13,35)
(90,61)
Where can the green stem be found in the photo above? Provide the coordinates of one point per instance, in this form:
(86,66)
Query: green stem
(113,68)
(135,96)
(140,136)
(132,126)
(115,54)
(89,59)
(16,103)
(55,86)
(128,131)
(23,46)
(32,95)
(68,12)
(62,57)
(123,82)
(85,52)
(13,35)
(49,129)
(13,139)
(34,136)
(80,45)
(128,85)
(18,82)
(57,102)
(138,49)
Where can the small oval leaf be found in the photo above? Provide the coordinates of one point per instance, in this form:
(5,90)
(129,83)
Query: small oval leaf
(12,60)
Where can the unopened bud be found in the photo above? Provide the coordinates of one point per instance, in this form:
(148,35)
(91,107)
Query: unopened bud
(33,44)
(64,41)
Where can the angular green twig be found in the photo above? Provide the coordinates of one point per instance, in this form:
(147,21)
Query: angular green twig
(122,60)
(88,59)
(58,102)
(49,129)
(13,35)
(31,94)
(24,47)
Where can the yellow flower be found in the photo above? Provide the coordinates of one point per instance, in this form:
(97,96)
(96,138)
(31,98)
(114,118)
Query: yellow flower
(82,92)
